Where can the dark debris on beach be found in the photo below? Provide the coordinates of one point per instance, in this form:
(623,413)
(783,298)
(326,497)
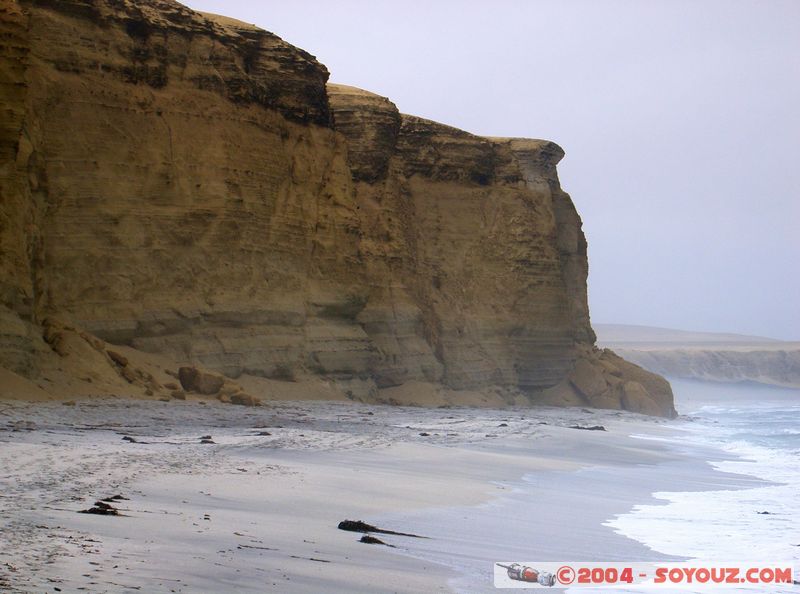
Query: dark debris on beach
(588,427)
(101,508)
(359,526)
(367,539)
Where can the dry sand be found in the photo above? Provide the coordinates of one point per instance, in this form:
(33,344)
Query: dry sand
(258,513)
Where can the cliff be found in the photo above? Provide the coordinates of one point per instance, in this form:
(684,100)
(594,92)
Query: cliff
(707,356)
(769,367)
(185,186)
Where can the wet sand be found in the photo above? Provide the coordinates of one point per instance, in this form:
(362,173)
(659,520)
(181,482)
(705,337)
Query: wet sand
(257,510)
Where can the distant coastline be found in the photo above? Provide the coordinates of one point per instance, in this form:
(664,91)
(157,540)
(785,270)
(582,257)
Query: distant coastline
(730,358)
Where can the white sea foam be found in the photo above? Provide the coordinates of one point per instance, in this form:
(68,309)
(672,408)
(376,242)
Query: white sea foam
(758,523)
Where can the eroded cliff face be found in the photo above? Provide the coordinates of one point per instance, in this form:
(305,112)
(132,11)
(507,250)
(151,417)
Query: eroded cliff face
(774,367)
(187,185)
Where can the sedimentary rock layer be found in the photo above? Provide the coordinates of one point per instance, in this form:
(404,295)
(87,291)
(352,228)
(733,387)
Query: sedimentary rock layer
(775,367)
(188,185)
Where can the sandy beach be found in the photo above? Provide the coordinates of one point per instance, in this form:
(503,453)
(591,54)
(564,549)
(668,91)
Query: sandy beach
(257,510)
(295,296)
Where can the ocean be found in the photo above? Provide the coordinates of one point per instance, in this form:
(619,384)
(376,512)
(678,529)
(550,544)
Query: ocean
(760,427)
(725,488)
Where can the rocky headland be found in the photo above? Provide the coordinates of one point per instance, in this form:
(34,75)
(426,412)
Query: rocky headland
(725,358)
(180,189)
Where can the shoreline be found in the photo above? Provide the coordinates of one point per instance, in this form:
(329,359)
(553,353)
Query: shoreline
(251,511)
(564,515)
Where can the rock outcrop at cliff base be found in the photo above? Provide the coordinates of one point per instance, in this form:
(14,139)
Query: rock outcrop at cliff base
(185,186)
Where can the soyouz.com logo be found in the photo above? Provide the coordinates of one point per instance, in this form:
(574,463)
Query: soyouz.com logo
(575,574)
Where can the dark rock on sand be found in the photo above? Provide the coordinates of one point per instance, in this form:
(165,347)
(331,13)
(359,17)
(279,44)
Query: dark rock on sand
(359,526)
(588,427)
(310,559)
(115,498)
(100,509)
(367,539)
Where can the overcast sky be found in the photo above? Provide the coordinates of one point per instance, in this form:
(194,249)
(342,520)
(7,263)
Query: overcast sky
(680,120)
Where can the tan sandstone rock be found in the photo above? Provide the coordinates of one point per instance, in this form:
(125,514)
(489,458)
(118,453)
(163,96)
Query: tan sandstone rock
(195,380)
(244,399)
(224,208)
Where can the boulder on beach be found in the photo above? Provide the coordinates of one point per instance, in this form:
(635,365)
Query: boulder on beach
(195,380)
